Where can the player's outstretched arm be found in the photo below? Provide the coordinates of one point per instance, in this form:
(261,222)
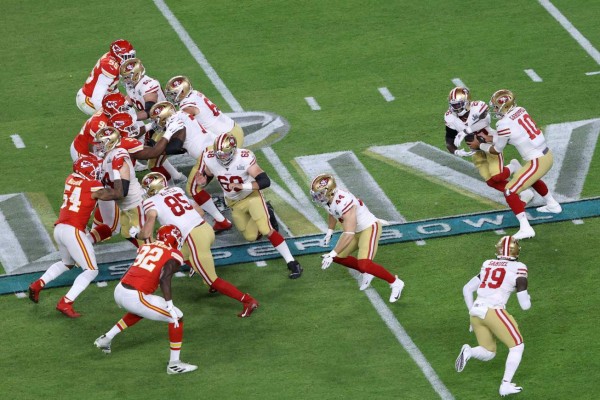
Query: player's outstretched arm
(146,230)
(468,290)
(170,268)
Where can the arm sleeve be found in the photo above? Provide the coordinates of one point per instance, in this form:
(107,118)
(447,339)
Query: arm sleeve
(468,290)
(148,106)
(125,183)
(263,180)
(175,146)
(500,143)
(100,90)
(524,300)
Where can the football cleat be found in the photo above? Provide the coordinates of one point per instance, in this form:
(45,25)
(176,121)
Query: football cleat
(103,343)
(34,291)
(272,217)
(181,182)
(526,196)
(296,269)
(524,233)
(179,367)
(67,309)
(463,357)
(249,306)
(553,208)
(397,287)
(507,388)
(365,282)
(221,226)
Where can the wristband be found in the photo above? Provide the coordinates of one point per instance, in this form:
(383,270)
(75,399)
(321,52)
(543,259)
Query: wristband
(169,304)
(247,186)
(329,232)
(333,253)
(116,175)
(485,147)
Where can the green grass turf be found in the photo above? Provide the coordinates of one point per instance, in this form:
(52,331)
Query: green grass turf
(317,337)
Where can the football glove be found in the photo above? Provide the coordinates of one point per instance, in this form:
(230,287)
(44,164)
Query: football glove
(174,125)
(460,136)
(463,153)
(171,310)
(327,239)
(328,259)
(133,231)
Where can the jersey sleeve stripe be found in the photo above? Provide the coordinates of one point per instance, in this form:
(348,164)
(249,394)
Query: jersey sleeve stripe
(135,149)
(347,208)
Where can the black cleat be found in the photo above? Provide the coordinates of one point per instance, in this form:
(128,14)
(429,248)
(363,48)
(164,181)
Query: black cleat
(296,269)
(272,218)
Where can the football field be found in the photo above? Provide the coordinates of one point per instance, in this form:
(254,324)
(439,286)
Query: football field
(354,88)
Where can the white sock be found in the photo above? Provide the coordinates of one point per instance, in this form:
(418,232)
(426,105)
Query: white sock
(174,355)
(55,270)
(81,282)
(114,331)
(512,361)
(212,210)
(523,222)
(284,250)
(550,199)
(175,174)
(481,353)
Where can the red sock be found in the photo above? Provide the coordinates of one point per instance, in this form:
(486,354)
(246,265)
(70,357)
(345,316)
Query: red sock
(540,187)
(377,270)
(162,170)
(201,197)
(129,319)
(176,334)
(100,232)
(226,288)
(514,202)
(276,239)
(498,185)
(502,176)
(134,241)
(349,262)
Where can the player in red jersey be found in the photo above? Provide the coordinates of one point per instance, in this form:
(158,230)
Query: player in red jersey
(82,191)
(104,77)
(155,264)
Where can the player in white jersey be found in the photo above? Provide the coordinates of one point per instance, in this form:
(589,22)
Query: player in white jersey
(242,180)
(179,91)
(516,127)
(362,231)
(172,207)
(190,137)
(118,172)
(494,284)
(467,119)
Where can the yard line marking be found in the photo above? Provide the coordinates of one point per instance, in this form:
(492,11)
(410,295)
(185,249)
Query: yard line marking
(577,221)
(592,73)
(583,42)
(404,339)
(421,243)
(458,82)
(21,295)
(312,103)
(500,232)
(180,275)
(101,284)
(387,95)
(198,55)
(533,75)
(261,264)
(19,144)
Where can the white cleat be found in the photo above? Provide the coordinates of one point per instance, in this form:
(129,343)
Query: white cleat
(179,367)
(103,343)
(180,181)
(515,165)
(509,388)
(140,167)
(526,195)
(366,281)
(553,208)
(463,357)
(524,233)
(397,287)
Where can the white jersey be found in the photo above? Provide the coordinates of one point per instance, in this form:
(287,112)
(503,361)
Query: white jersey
(145,86)
(343,201)
(174,208)
(478,119)
(236,172)
(114,160)
(209,114)
(517,128)
(197,139)
(498,281)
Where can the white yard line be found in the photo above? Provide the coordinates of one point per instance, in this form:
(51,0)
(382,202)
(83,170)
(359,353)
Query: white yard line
(592,73)
(18,142)
(312,103)
(577,221)
(379,305)
(533,75)
(458,82)
(583,42)
(387,95)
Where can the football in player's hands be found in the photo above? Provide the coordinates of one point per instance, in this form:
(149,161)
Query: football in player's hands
(471,137)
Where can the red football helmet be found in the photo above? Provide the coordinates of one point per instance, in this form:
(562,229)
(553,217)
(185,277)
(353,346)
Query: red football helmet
(115,103)
(88,167)
(122,50)
(170,235)
(126,124)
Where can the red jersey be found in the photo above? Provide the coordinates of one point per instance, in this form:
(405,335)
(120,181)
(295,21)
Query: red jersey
(132,146)
(78,203)
(144,274)
(106,65)
(88,132)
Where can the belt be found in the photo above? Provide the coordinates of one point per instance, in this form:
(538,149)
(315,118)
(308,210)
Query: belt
(546,150)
